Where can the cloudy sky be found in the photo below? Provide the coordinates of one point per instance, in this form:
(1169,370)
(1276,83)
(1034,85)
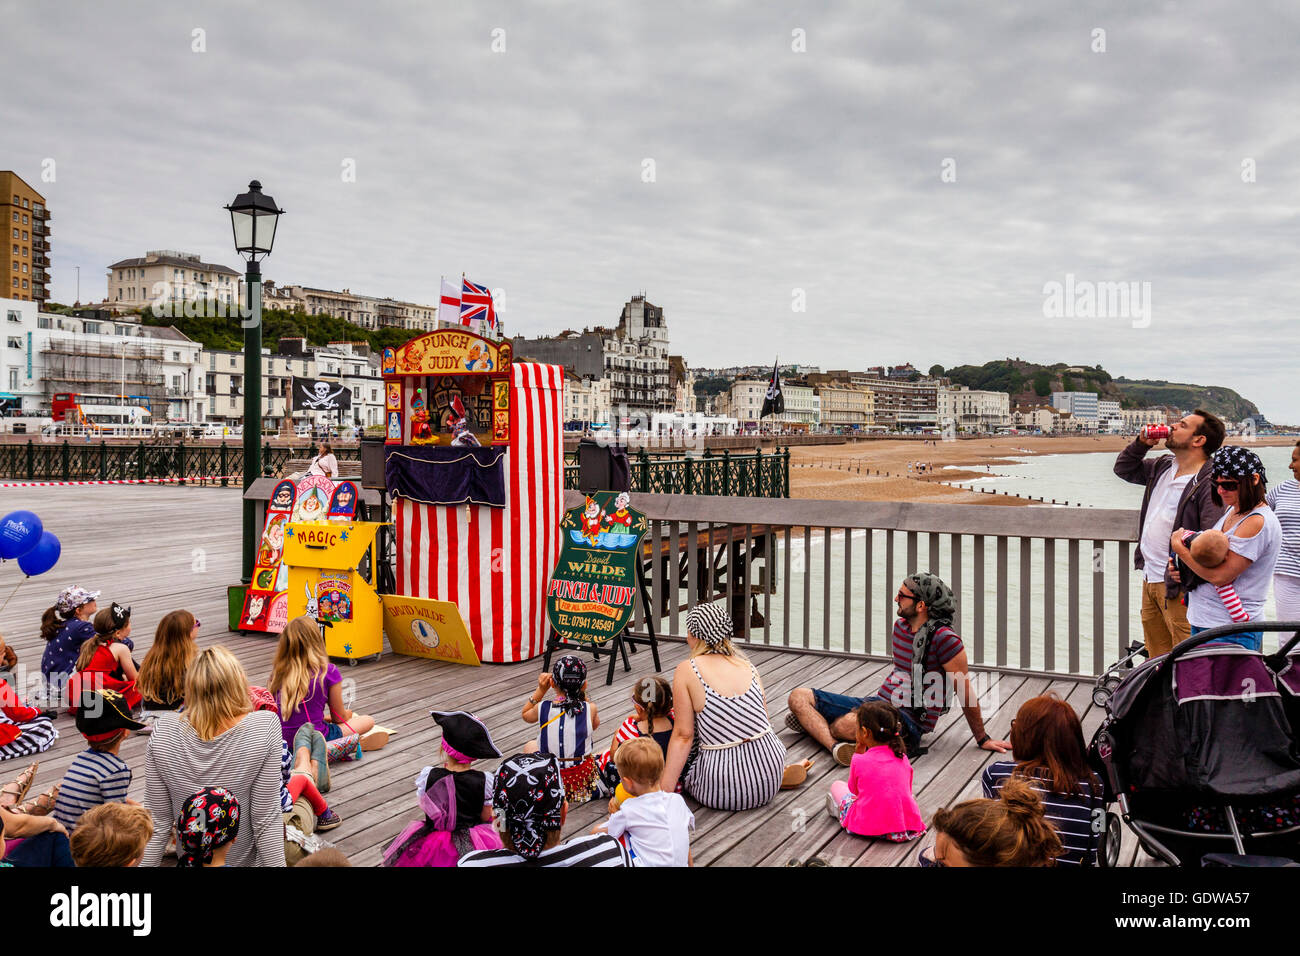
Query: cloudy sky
(914,175)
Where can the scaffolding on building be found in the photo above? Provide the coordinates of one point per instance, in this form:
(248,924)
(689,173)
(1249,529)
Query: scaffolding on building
(101,368)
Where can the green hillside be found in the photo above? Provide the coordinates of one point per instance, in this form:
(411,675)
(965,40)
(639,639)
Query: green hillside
(226,333)
(1031,383)
(1223,402)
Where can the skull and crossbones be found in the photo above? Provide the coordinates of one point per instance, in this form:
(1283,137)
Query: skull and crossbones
(320,396)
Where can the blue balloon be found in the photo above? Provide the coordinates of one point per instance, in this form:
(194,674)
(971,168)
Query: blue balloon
(42,557)
(19,532)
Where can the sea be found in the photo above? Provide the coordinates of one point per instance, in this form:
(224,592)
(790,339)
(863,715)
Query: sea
(1084,480)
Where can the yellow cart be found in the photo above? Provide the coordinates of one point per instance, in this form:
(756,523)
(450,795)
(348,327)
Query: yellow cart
(332,579)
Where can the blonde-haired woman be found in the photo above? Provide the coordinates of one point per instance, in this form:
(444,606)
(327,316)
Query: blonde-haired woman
(162,672)
(739,762)
(305,682)
(218,742)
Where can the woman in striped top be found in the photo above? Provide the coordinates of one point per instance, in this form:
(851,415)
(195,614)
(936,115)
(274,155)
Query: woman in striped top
(219,741)
(1047,741)
(1284,499)
(735,760)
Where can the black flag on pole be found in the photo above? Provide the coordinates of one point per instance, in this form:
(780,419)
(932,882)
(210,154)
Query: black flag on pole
(774,401)
(314,395)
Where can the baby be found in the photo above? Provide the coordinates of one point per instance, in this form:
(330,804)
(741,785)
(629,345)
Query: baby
(1210,549)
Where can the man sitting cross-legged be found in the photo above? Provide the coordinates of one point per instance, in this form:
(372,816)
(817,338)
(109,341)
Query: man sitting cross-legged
(925,610)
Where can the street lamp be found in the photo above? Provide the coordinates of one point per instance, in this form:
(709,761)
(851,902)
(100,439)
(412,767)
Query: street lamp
(253,218)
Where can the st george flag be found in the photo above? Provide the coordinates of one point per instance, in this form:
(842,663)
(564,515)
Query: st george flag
(449,303)
(774,400)
(476,303)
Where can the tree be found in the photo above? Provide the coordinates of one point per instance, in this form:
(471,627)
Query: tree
(936,371)
(1042,384)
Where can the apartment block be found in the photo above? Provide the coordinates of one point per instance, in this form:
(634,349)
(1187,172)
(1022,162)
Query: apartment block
(24,273)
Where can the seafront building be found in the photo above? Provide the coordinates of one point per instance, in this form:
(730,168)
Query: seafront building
(1080,405)
(350,364)
(169,278)
(96,353)
(632,356)
(1135,418)
(974,410)
(24,273)
(900,403)
(1034,418)
(846,407)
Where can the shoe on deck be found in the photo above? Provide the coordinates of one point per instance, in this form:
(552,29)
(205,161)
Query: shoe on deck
(328,820)
(792,722)
(843,752)
(833,805)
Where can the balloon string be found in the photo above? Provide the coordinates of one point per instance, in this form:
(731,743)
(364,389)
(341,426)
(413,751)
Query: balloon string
(12,593)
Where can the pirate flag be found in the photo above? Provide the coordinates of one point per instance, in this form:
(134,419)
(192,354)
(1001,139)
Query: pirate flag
(315,395)
(774,401)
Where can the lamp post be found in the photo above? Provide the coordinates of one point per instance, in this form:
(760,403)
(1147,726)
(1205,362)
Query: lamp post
(253,218)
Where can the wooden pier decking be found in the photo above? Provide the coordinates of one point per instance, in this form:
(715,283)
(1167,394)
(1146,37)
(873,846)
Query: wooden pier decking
(159,548)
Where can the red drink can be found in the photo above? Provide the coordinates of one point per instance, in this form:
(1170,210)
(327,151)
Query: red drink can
(1155,432)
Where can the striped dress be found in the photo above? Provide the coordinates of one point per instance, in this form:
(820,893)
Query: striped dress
(739,761)
(245,760)
(23,731)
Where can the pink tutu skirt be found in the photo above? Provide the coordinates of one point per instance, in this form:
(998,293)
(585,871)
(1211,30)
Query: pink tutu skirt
(436,847)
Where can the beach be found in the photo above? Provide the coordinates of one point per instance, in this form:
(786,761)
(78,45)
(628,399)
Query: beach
(877,470)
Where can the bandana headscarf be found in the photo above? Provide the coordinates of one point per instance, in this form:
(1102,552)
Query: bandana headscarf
(937,596)
(529,800)
(208,821)
(1233,461)
(711,624)
(940,608)
(570,673)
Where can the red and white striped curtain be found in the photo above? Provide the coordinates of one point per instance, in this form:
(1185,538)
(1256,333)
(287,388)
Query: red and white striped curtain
(494,563)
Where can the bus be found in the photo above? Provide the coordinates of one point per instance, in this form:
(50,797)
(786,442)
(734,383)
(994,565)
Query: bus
(103,416)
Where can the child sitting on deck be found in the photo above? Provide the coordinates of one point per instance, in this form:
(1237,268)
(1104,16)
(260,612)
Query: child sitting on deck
(207,826)
(1012,830)
(23,730)
(105,659)
(305,810)
(877,801)
(567,725)
(97,774)
(654,826)
(112,834)
(305,681)
(456,799)
(652,716)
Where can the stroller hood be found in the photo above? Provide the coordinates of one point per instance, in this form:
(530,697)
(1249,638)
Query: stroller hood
(1210,722)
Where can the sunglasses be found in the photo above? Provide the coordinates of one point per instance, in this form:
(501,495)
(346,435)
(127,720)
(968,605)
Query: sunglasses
(197,622)
(1227,484)
(900,596)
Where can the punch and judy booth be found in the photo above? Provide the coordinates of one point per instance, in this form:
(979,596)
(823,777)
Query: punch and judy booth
(474,465)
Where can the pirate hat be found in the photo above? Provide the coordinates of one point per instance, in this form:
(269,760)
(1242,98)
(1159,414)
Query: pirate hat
(102,713)
(465,734)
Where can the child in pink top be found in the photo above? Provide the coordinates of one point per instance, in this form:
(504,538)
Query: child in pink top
(877,801)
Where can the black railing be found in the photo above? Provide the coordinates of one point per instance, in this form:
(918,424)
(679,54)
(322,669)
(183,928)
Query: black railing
(76,461)
(742,476)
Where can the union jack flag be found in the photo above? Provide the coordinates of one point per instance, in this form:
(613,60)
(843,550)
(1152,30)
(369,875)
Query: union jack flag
(476,303)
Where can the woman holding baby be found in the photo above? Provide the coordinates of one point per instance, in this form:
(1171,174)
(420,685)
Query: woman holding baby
(1248,537)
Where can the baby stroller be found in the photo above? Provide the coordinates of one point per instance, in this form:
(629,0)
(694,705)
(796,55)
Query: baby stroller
(1200,750)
